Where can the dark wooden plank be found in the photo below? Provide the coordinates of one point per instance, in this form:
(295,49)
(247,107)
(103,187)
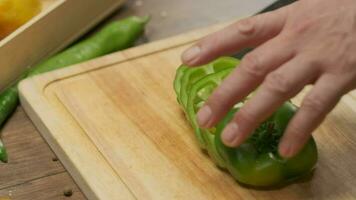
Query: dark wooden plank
(29,156)
(51,187)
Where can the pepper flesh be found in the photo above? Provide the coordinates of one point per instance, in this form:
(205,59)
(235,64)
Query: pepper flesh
(256,162)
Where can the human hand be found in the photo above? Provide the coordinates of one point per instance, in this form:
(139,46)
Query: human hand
(307,42)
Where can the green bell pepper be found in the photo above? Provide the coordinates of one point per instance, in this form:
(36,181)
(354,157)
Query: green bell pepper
(256,162)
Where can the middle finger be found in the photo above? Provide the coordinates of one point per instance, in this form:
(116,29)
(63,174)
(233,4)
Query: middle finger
(244,79)
(279,86)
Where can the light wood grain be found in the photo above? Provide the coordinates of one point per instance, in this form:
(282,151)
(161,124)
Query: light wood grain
(117,118)
(59,24)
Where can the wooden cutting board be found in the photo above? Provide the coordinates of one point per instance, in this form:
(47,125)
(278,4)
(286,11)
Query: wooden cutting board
(115,124)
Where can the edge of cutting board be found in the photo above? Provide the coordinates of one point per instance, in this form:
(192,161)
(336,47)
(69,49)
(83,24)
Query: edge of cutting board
(33,100)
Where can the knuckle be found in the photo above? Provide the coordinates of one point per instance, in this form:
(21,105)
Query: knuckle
(277,83)
(311,57)
(219,98)
(288,40)
(245,117)
(251,66)
(209,41)
(302,27)
(221,93)
(297,133)
(287,37)
(246,26)
(313,103)
(315,62)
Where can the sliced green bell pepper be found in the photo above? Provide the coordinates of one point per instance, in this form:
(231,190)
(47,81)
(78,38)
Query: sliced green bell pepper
(177,80)
(199,93)
(192,75)
(187,77)
(256,162)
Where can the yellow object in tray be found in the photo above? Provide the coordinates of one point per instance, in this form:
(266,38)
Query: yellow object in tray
(14,13)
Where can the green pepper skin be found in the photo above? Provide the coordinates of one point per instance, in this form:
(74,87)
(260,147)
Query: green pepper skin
(178,79)
(115,36)
(267,169)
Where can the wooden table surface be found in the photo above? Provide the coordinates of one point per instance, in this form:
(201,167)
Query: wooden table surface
(33,171)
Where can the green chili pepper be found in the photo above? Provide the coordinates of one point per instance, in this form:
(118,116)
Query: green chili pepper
(8,104)
(115,36)
(256,162)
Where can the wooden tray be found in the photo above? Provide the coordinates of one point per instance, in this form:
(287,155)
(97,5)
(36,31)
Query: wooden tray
(115,124)
(59,24)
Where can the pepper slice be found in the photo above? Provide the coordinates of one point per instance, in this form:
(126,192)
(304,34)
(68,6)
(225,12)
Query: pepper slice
(192,75)
(186,78)
(198,95)
(177,80)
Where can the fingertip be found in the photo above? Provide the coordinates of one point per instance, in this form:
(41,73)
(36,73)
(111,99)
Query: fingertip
(285,149)
(204,116)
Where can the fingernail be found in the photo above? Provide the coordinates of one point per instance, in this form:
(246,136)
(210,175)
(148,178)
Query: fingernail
(230,133)
(191,53)
(204,116)
(285,149)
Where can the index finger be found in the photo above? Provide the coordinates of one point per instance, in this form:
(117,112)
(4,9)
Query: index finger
(245,33)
